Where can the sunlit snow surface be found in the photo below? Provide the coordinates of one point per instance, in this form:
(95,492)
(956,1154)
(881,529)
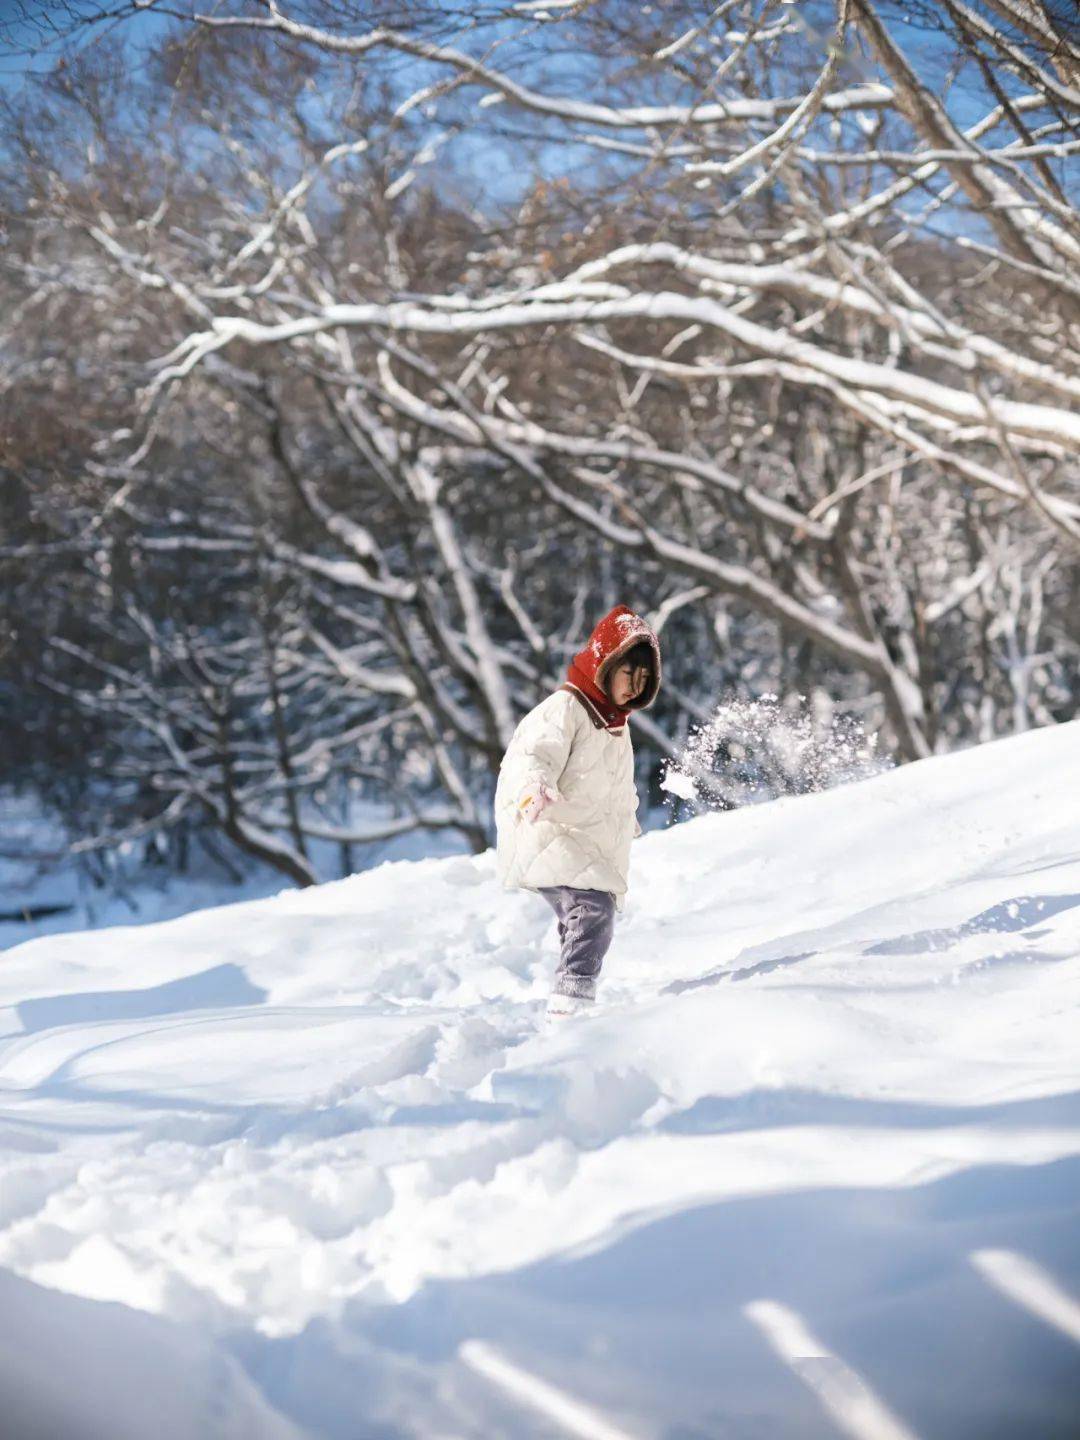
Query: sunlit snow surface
(811,1169)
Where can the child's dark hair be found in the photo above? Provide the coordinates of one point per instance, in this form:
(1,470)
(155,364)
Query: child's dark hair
(640,654)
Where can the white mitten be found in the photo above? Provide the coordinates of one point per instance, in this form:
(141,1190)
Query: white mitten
(535,798)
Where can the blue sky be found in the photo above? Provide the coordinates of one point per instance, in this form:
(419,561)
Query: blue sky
(495,161)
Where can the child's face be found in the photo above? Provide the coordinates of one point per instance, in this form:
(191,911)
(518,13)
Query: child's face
(627,682)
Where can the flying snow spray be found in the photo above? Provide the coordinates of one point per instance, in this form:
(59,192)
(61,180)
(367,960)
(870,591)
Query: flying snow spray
(758,749)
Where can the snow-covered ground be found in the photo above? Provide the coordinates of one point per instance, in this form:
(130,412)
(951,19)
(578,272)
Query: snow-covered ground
(313,1166)
(54,894)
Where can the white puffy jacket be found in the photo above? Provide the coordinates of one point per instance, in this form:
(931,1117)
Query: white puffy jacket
(582,838)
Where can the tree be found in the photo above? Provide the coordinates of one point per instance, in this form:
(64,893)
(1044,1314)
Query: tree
(770,334)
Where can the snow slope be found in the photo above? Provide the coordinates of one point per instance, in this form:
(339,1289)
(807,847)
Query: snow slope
(813,1169)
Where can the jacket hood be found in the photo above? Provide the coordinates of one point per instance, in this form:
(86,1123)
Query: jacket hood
(618,632)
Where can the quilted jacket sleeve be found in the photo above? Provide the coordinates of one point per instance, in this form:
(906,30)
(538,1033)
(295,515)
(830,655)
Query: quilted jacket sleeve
(543,744)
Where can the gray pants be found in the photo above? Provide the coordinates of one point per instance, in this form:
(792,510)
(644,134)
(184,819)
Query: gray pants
(586,923)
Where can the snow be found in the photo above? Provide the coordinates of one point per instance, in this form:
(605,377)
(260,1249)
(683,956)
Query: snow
(751,749)
(54,893)
(812,1168)
(674,782)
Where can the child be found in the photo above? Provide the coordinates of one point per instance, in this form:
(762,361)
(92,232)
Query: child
(565,802)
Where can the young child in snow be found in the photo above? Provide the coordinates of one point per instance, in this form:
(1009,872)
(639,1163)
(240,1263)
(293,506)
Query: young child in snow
(565,803)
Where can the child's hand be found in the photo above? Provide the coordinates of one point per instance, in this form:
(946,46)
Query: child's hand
(534,800)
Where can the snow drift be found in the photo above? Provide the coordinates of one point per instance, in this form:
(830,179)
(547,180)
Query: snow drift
(812,1169)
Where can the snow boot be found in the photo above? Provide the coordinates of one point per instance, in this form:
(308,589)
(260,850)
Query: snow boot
(561,1007)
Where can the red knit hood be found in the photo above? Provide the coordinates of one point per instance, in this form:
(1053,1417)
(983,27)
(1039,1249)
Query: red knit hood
(619,631)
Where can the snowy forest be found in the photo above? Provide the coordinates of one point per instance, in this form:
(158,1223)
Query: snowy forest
(356,355)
